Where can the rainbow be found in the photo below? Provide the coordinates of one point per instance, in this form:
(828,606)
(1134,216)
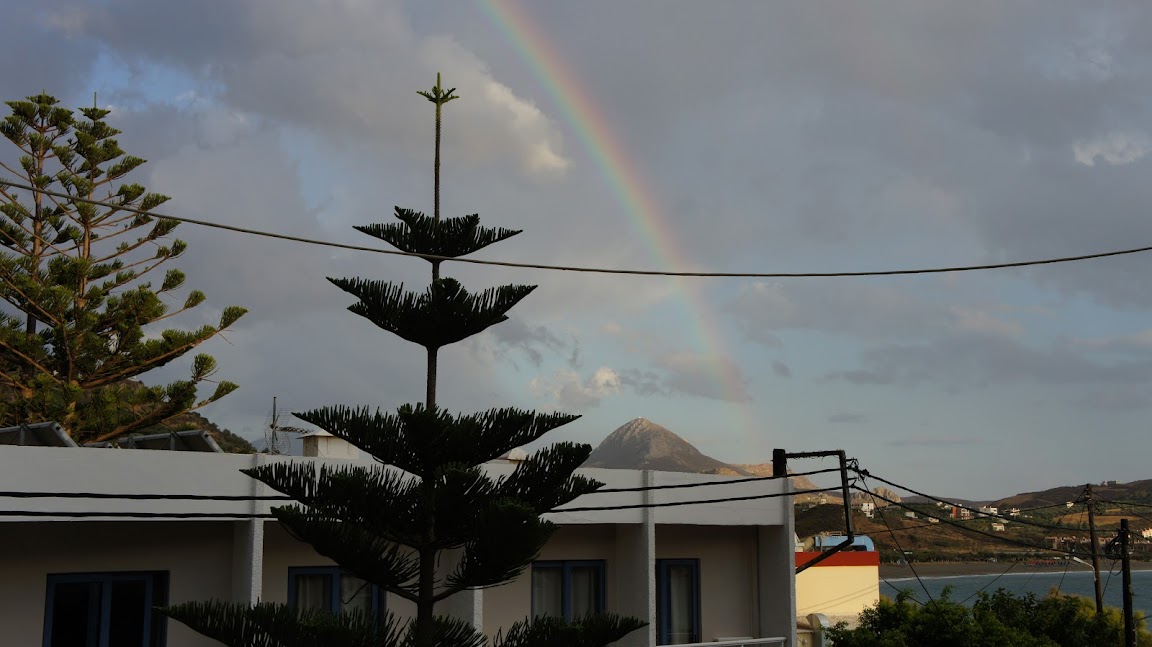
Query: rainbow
(628,184)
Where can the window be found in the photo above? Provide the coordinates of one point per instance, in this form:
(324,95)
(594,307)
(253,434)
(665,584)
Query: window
(678,601)
(568,589)
(329,589)
(105,610)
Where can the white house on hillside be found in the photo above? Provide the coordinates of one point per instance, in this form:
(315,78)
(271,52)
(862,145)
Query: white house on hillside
(80,572)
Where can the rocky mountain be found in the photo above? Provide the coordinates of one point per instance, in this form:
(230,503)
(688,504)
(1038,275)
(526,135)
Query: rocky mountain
(880,491)
(643,444)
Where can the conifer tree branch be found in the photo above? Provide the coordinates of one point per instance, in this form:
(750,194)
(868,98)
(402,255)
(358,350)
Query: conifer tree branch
(142,366)
(29,361)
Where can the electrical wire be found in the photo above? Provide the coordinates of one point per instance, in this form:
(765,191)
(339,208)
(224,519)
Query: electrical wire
(750,479)
(136,515)
(962,507)
(670,504)
(590,270)
(142,497)
(977,531)
(993,581)
(197,515)
(248,497)
(896,541)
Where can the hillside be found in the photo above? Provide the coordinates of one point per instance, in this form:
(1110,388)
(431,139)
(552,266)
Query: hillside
(228,441)
(1134,492)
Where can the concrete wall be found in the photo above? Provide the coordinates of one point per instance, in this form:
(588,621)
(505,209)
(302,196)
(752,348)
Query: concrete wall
(745,547)
(512,602)
(282,551)
(727,574)
(197,556)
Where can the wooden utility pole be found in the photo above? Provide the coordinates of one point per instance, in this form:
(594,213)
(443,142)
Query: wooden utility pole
(1126,568)
(1095,549)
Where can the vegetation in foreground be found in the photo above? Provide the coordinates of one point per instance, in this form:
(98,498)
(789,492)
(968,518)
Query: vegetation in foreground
(995,620)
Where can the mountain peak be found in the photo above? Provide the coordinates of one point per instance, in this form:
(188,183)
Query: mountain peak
(643,444)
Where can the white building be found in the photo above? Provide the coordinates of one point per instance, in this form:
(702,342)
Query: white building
(73,565)
(868,508)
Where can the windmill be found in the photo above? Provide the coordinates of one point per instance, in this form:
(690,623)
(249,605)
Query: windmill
(276,440)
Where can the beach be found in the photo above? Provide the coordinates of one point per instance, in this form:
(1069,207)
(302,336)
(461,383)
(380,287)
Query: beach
(957,569)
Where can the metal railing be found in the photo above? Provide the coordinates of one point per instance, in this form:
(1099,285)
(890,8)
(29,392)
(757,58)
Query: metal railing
(739,642)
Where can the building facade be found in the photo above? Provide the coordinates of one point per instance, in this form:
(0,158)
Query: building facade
(84,565)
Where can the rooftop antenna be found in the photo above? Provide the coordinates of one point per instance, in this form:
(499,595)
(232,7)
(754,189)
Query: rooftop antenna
(276,440)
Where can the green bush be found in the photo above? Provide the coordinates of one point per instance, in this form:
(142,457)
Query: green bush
(995,620)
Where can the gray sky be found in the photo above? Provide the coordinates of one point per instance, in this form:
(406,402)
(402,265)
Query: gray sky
(738,136)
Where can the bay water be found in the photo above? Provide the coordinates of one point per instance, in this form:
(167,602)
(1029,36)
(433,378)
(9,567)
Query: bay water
(965,587)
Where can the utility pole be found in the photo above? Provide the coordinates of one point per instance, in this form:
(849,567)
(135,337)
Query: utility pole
(780,470)
(1126,567)
(1095,550)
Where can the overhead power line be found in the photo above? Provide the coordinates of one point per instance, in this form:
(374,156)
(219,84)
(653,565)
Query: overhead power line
(16,494)
(585,269)
(996,536)
(243,515)
(1009,518)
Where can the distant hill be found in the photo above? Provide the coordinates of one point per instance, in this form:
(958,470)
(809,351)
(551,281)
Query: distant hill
(967,503)
(1134,492)
(644,445)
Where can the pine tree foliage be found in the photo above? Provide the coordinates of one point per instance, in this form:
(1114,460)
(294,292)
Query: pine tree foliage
(81,288)
(278,625)
(427,521)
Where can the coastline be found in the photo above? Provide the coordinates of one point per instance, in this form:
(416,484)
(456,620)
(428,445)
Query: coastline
(956,569)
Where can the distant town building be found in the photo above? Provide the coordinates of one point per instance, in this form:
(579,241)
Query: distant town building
(997,527)
(1107,483)
(1014,512)
(868,508)
(989,511)
(910,514)
(1146,533)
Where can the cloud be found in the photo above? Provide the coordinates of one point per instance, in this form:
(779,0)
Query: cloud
(933,441)
(514,334)
(763,310)
(569,391)
(1115,398)
(966,361)
(1114,149)
(334,70)
(706,376)
(781,369)
(1135,344)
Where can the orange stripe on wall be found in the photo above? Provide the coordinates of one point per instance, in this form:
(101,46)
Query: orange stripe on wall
(843,558)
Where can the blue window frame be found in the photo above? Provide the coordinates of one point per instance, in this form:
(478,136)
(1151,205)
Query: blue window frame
(105,609)
(677,601)
(567,589)
(332,590)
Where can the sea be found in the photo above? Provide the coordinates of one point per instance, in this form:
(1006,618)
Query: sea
(965,587)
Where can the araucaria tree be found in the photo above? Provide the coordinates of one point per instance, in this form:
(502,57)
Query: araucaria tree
(427,522)
(77,309)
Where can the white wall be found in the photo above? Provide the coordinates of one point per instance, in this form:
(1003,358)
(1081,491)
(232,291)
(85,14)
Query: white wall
(741,538)
(727,574)
(197,556)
